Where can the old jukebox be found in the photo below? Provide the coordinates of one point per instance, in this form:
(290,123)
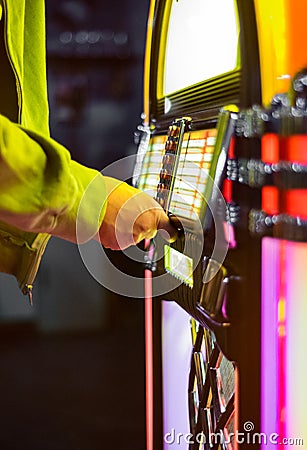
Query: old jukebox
(223,149)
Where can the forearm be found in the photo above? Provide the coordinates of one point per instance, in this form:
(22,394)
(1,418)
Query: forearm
(41,187)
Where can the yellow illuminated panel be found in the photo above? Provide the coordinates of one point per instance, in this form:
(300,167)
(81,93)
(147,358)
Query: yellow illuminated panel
(187,196)
(282,43)
(192,174)
(152,164)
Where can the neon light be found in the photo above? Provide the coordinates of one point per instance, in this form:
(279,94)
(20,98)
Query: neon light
(149,358)
(296,330)
(281,343)
(283,337)
(269,338)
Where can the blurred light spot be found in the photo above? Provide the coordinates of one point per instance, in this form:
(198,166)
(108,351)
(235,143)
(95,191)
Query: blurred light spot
(93,37)
(120,38)
(284,77)
(66,37)
(81,37)
(167,105)
(107,35)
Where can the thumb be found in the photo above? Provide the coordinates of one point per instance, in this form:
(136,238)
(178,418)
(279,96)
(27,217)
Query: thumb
(167,229)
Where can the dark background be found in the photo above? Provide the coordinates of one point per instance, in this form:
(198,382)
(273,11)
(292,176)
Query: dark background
(72,366)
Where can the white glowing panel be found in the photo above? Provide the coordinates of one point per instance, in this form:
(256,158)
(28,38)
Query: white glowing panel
(202,42)
(176,356)
(152,164)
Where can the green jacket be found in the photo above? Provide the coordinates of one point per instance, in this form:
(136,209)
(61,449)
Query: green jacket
(40,186)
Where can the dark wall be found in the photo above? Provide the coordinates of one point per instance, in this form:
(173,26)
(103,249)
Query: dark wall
(95,67)
(76,379)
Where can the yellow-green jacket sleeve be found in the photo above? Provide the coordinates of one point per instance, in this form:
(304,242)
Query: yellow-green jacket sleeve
(41,187)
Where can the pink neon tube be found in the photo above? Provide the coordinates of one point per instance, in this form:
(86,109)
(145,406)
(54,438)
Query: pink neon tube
(284,334)
(149,359)
(149,352)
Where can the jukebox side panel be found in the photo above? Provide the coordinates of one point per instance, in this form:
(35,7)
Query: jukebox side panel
(280,226)
(284,258)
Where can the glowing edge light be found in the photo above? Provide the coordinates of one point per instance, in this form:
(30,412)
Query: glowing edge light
(283,338)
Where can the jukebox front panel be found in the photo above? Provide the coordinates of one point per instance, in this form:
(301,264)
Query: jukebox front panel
(183,170)
(252,310)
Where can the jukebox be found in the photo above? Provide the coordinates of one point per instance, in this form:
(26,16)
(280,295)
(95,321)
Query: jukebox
(223,149)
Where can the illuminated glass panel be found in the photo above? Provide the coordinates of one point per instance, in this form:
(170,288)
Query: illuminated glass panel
(192,174)
(179,265)
(225,382)
(152,164)
(202,42)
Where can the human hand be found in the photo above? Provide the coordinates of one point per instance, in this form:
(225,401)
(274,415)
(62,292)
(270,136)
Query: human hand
(131,216)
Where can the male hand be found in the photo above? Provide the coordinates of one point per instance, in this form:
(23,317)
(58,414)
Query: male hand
(131,216)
